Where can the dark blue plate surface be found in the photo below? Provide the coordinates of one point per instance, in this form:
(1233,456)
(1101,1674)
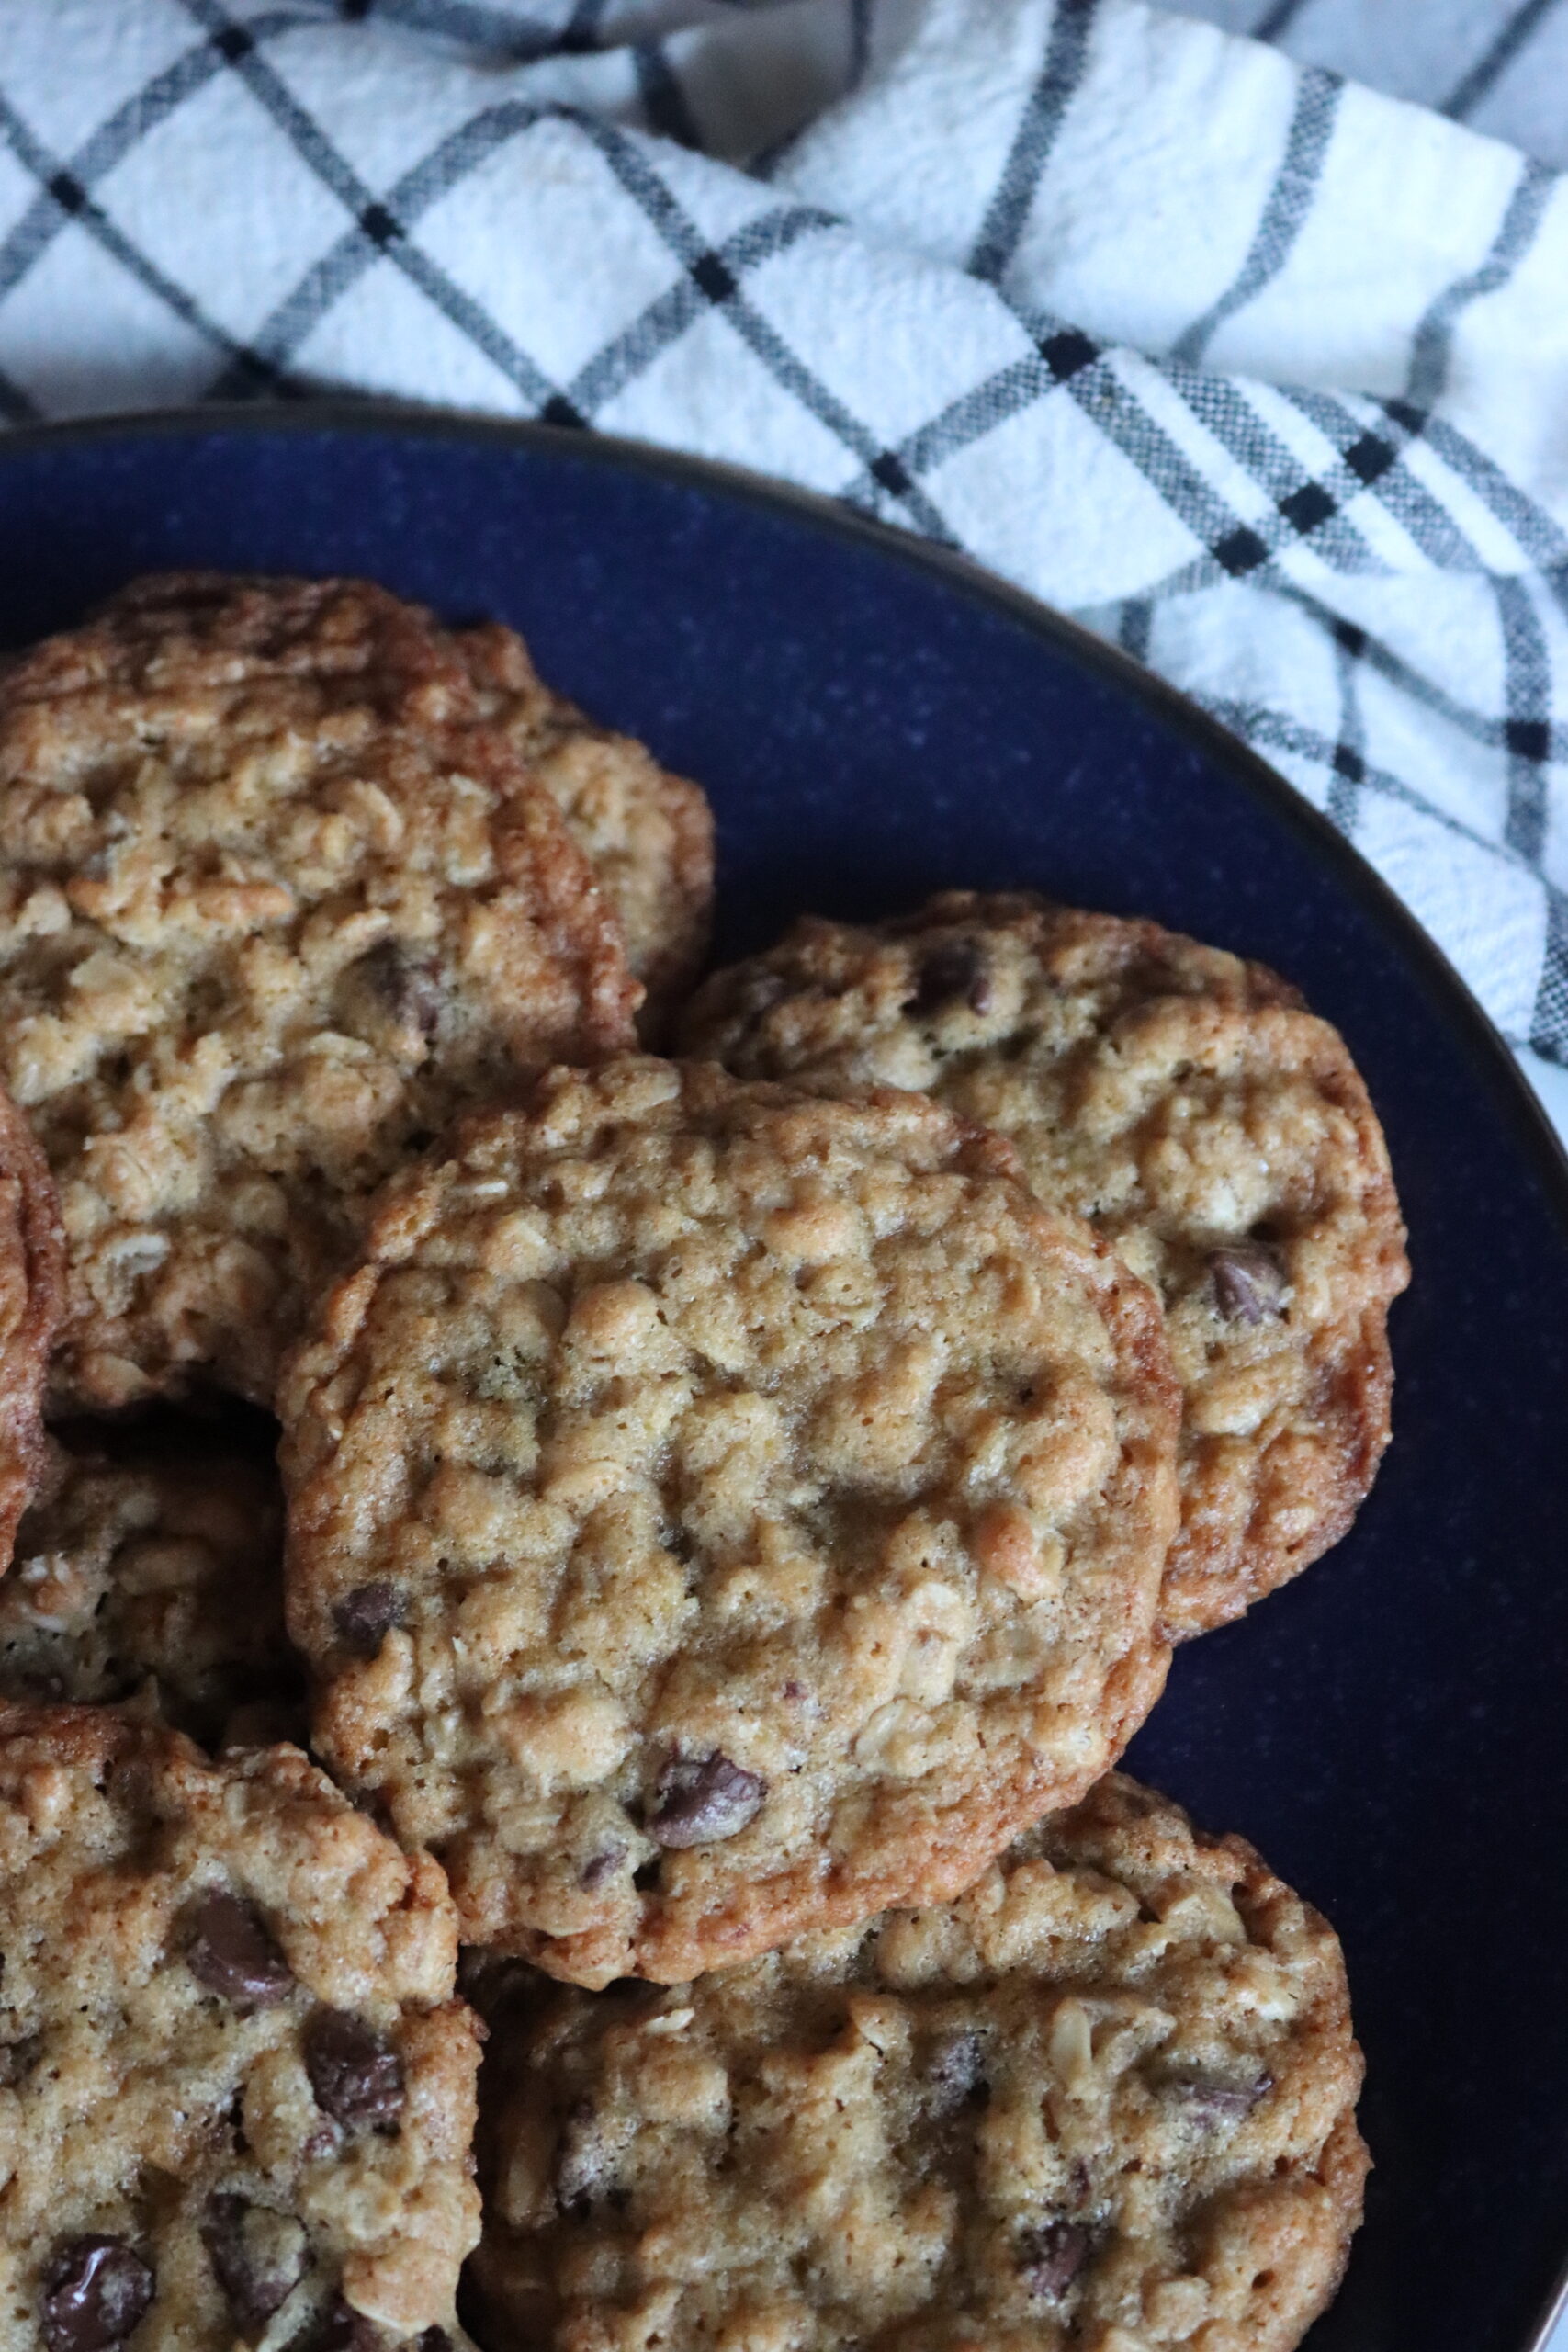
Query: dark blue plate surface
(872,721)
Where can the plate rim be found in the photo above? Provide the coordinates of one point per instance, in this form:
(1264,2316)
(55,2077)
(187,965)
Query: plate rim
(1532,1129)
(1143,685)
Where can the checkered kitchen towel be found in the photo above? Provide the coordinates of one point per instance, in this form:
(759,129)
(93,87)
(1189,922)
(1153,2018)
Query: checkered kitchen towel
(1264,375)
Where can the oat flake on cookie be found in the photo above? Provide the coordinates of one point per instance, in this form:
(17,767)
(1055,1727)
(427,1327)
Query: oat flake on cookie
(274,904)
(715,1511)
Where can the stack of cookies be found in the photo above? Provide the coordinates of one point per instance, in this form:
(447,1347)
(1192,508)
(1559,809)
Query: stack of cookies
(696,1530)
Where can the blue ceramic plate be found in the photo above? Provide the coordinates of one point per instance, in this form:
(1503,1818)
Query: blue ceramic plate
(872,721)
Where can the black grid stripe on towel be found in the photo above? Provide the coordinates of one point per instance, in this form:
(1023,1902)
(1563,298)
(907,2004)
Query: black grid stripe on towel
(1341,545)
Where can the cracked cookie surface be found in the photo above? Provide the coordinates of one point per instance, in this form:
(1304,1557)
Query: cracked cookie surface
(275,903)
(1105,2098)
(715,1510)
(151,1567)
(1205,1123)
(648,833)
(1101,2099)
(238,2095)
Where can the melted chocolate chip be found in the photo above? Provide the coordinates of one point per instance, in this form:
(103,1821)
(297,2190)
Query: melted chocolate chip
(434,2339)
(1248,1281)
(701,1799)
(599,1868)
(365,1616)
(355,2073)
(1215,2103)
(957,969)
(257,2255)
(96,2292)
(17,2059)
(230,1952)
(955,2071)
(1050,2257)
(389,999)
(342,2329)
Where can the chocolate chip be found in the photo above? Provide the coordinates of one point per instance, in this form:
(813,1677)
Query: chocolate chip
(957,968)
(230,1952)
(365,1616)
(1215,2103)
(355,2073)
(389,999)
(17,2059)
(434,2339)
(257,2255)
(1248,1281)
(955,2071)
(96,2292)
(599,1868)
(342,2329)
(701,1799)
(1050,2258)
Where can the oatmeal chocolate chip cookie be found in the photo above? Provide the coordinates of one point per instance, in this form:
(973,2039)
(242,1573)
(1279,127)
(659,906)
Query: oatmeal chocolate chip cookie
(715,1511)
(1107,2097)
(274,903)
(152,1566)
(236,2094)
(32,1294)
(1189,1106)
(648,833)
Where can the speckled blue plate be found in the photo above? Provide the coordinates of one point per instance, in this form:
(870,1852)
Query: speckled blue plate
(872,721)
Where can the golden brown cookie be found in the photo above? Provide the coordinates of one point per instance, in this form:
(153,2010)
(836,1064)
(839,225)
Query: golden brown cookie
(32,1295)
(151,1567)
(648,833)
(1105,2098)
(1190,1107)
(715,1511)
(236,2093)
(274,905)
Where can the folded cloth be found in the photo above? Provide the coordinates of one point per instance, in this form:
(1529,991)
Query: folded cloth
(1260,373)
(1500,65)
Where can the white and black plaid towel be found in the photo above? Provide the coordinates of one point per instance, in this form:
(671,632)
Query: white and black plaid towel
(1262,373)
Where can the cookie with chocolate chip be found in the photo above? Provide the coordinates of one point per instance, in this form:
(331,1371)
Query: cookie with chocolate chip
(1188,1105)
(236,2091)
(648,833)
(151,1568)
(1106,2096)
(716,1511)
(275,903)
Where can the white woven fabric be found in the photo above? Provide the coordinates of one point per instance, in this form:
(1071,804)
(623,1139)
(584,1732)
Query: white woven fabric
(1500,65)
(1261,373)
